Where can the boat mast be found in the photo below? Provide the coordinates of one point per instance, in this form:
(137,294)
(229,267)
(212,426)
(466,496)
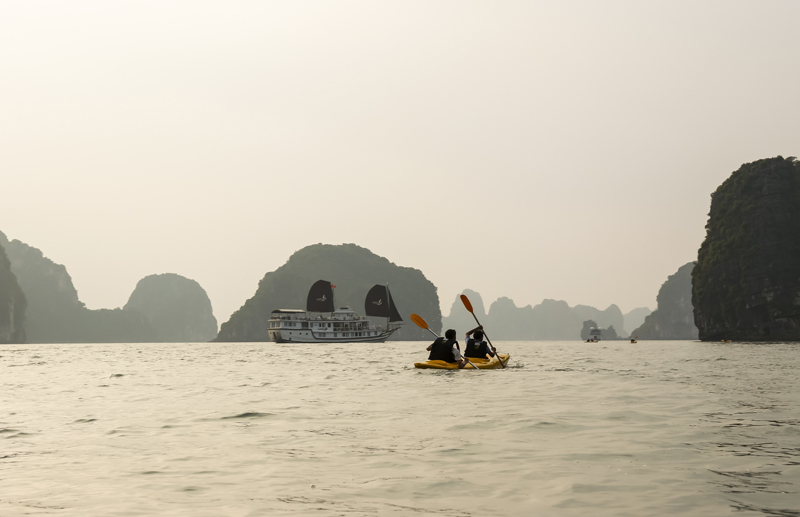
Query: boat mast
(389,305)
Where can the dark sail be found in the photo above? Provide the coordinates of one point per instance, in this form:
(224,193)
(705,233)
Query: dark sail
(379,303)
(320,297)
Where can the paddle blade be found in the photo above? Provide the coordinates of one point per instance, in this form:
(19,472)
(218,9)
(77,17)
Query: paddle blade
(421,323)
(466,303)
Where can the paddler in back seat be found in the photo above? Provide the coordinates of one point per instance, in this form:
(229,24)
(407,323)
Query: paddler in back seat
(446,349)
(475,346)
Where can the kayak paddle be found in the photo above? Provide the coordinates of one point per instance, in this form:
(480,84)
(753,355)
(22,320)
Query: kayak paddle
(421,323)
(468,305)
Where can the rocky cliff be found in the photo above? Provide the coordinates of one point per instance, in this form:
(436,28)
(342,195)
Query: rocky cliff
(353,270)
(673,318)
(746,286)
(12,304)
(175,307)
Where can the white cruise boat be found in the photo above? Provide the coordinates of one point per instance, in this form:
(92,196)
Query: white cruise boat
(322,323)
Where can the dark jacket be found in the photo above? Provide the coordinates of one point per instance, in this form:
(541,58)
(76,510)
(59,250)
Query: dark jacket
(443,350)
(477,349)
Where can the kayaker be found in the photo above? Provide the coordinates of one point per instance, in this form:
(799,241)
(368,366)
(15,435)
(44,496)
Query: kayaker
(446,349)
(475,345)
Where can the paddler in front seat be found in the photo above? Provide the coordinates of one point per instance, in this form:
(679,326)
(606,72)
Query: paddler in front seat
(446,349)
(475,346)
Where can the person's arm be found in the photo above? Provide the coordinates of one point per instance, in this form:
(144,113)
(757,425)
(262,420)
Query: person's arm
(461,361)
(479,327)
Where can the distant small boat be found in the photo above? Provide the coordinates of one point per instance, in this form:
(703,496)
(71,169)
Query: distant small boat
(635,340)
(595,335)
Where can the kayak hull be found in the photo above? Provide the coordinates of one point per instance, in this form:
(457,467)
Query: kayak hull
(482,364)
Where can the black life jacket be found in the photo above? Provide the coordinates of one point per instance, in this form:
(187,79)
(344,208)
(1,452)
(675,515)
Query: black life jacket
(477,349)
(443,350)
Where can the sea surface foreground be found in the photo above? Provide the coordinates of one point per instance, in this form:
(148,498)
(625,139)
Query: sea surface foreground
(251,429)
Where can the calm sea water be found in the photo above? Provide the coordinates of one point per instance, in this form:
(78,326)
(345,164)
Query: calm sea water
(251,429)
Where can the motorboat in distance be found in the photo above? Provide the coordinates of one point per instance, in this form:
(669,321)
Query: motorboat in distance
(331,325)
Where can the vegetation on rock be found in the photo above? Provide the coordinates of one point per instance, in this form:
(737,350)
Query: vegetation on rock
(746,286)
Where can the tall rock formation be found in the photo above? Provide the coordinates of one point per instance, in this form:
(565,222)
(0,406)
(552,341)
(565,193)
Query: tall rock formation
(353,270)
(673,318)
(175,307)
(460,319)
(746,286)
(12,304)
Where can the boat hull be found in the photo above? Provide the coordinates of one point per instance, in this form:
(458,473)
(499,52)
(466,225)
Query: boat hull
(291,336)
(482,364)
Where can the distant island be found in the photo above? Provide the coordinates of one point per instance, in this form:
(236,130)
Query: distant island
(174,307)
(746,285)
(549,320)
(163,308)
(353,270)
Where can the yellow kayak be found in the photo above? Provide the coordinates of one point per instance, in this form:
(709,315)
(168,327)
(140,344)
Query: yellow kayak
(482,364)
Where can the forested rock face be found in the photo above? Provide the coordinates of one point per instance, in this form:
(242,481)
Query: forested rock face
(12,304)
(673,318)
(176,308)
(353,270)
(746,286)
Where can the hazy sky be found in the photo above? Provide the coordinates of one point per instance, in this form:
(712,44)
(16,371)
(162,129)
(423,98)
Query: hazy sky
(562,149)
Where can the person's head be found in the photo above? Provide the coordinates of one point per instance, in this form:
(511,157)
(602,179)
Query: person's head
(477,335)
(450,334)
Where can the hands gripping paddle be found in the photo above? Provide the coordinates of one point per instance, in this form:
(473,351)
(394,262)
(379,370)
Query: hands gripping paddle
(468,305)
(421,323)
